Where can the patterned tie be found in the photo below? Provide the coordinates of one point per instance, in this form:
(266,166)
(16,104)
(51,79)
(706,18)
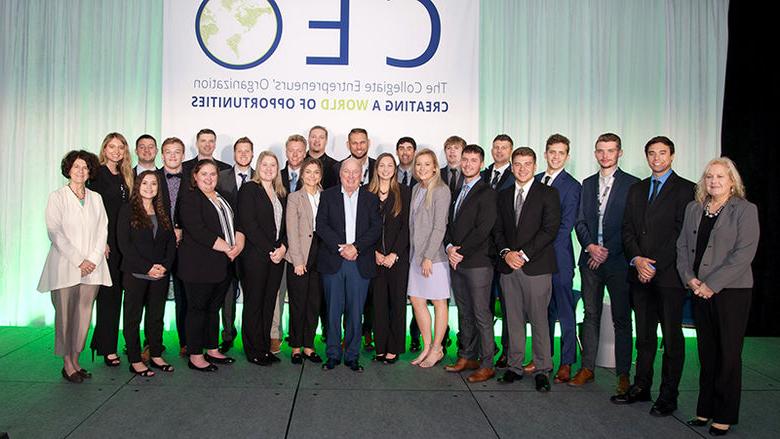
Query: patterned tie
(494,182)
(243,178)
(453,180)
(463,192)
(546,180)
(518,206)
(654,190)
(405,180)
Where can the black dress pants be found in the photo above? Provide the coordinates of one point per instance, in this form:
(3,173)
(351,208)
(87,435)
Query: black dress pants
(108,309)
(652,305)
(388,290)
(305,294)
(260,285)
(140,294)
(203,302)
(721,322)
(180,298)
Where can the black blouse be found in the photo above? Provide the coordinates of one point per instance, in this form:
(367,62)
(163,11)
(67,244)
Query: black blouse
(702,239)
(115,194)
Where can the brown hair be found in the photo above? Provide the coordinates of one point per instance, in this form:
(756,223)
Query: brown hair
(170,141)
(124,167)
(610,137)
(244,140)
(277,185)
(311,161)
(138,217)
(557,138)
(70,158)
(395,189)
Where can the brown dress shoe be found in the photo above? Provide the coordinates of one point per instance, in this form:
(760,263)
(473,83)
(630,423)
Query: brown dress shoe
(563,375)
(276,346)
(461,365)
(582,377)
(482,374)
(529,368)
(623,384)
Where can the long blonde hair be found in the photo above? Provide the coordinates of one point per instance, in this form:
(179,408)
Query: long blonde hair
(276,183)
(373,187)
(435,179)
(737,190)
(124,167)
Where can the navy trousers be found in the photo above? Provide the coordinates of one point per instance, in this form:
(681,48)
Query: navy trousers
(345,294)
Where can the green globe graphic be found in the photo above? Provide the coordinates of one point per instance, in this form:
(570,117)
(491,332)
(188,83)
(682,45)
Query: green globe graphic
(237,33)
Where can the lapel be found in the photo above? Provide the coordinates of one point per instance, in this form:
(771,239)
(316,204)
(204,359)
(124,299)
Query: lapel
(728,210)
(667,188)
(230,183)
(617,183)
(530,196)
(478,187)
(339,203)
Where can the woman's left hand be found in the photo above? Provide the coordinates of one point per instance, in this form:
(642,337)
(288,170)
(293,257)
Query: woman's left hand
(390,260)
(427,267)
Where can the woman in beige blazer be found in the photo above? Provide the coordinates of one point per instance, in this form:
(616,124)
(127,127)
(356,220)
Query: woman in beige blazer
(304,287)
(76,266)
(715,248)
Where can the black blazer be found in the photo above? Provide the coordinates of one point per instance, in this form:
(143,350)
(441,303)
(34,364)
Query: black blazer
(197,261)
(166,194)
(226,185)
(395,229)
(328,178)
(587,224)
(652,232)
(536,231)
(286,179)
(471,229)
(331,228)
(255,219)
(444,173)
(506,180)
(337,168)
(140,248)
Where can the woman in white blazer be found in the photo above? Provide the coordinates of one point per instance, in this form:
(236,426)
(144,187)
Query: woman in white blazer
(76,265)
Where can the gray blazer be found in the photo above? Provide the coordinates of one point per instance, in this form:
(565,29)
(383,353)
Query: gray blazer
(428,224)
(300,227)
(730,249)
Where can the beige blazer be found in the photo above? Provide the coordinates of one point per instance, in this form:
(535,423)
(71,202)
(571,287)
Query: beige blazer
(76,232)
(300,227)
(730,249)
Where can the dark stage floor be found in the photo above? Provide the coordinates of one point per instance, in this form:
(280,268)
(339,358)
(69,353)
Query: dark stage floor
(244,400)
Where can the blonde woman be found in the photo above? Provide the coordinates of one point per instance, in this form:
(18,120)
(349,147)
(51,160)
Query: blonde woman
(261,210)
(113,182)
(429,275)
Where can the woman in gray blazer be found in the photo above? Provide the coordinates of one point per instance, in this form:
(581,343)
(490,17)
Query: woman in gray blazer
(429,273)
(714,251)
(304,287)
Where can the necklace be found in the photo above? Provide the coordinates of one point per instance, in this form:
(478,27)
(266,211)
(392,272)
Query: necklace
(713,214)
(80,197)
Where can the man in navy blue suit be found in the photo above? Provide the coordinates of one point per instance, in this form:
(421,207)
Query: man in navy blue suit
(349,225)
(602,261)
(561,308)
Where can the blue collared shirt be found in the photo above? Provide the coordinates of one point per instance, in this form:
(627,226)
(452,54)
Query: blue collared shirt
(350,214)
(661,180)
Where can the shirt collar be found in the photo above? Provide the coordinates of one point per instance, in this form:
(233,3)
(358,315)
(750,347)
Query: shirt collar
(662,178)
(552,176)
(526,187)
(472,183)
(501,169)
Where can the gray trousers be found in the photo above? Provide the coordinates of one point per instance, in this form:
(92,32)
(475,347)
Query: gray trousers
(72,316)
(527,296)
(471,288)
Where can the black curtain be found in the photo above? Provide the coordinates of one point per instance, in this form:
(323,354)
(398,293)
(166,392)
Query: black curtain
(751,129)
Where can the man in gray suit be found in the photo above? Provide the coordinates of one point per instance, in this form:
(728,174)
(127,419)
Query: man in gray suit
(228,184)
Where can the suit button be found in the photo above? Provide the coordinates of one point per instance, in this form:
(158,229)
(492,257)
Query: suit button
(693,251)
(309,236)
(694,232)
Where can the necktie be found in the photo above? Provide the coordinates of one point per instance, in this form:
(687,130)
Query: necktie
(174,175)
(293,181)
(405,180)
(453,179)
(494,182)
(365,177)
(243,178)
(461,197)
(546,180)
(654,190)
(518,206)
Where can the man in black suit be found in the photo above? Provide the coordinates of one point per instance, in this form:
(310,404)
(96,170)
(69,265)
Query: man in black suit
(499,176)
(206,142)
(529,216)
(228,184)
(349,225)
(358,144)
(602,262)
(453,148)
(654,214)
(471,219)
(146,151)
(318,141)
(173,186)
(405,148)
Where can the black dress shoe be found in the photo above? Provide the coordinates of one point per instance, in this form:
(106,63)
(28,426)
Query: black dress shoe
(313,357)
(296,358)
(390,360)
(510,377)
(209,368)
(414,346)
(330,364)
(212,359)
(379,358)
(273,358)
(696,422)
(260,361)
(502,361)
(635,394)
(354,365)
(542,382)
(718,431)
(662,408)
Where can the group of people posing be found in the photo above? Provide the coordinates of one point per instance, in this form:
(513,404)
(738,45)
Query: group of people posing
(353,239)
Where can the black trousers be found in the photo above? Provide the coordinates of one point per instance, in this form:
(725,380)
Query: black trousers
(260,284)
(229,311)
(388,290)
(721,322)
(652,305)
(305,294)
(108,309)
(140,294)
(203,302)
(180,298)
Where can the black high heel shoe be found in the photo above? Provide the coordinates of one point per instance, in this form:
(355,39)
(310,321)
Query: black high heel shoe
(209,368)
(313,357)
(696,422)
(212,359)
(112,362)
(714,431)
(146,373)
(163,367)
(391,360)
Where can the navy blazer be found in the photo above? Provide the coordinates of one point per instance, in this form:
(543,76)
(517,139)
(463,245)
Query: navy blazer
(569,192)
(331,228)
(506,181)
(587,225)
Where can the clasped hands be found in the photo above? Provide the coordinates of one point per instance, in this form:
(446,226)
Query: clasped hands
(700,288)
(644,269)
(598,255)
(86,267)
(387,260)
(515,259)
(157,271)
(348,251)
